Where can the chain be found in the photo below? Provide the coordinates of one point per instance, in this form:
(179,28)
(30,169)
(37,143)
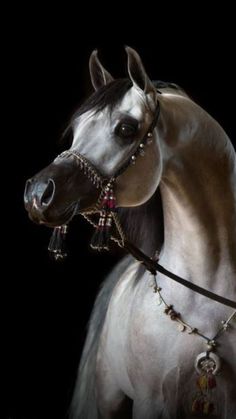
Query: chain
(85,166)
(120,241)
(184,326)
(119,229)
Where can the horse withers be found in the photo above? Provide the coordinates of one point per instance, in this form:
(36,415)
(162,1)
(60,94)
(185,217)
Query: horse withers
(161,171)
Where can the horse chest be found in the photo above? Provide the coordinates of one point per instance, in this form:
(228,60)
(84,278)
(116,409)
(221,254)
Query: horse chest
(144,349)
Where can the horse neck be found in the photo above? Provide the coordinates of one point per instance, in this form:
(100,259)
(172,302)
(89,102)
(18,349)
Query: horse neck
(198,194)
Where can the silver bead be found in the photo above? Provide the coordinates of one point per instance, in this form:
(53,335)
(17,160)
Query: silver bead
(210,347)
(133,159)
(149,134)
(141,149)
(225,325)
(181,327)
(211,344)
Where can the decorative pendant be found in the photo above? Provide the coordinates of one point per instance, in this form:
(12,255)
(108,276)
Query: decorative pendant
(102,235)
(208,362)
(207,365)
(56,245)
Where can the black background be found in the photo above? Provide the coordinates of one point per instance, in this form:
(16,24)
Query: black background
(46,306)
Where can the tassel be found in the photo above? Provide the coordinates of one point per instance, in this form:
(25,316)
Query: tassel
(211,381)
(101,238)
(202,382)
(203,404)
(197,406)
(208,408)
(56,246)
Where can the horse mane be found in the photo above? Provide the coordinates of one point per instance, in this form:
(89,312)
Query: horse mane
(169,87)
(107,96)
(144,224)
(112,93)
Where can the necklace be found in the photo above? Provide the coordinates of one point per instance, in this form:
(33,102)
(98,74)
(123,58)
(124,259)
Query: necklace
(207,364)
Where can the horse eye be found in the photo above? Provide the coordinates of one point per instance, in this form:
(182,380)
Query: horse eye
(125,130)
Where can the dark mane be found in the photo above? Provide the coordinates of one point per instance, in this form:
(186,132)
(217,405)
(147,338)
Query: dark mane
(160,84)
(169,87)
(144,225)
(108,95)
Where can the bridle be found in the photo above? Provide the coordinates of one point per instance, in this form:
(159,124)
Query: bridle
(107,208)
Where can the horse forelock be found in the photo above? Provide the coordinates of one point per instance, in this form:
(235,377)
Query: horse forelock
(107,96)
(111,94)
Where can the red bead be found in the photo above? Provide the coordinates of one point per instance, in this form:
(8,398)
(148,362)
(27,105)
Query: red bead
(211,381)
(197,406)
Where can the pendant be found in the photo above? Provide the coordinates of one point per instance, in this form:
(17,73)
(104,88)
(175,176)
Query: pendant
(56,245)
(207,362)
(207,365)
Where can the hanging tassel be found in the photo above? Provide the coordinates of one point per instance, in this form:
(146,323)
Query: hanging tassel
(56,245)
(203,402)
(101,238)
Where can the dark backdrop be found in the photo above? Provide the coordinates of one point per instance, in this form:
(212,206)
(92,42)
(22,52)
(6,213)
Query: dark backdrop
(46,306)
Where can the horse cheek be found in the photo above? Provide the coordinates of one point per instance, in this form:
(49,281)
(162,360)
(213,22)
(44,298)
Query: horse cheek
(140,181)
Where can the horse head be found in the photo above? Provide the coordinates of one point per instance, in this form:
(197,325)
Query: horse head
(112,130)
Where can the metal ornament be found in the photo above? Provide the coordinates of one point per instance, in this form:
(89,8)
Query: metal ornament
(56,245)
(208,362)
(204,403)
(101,238)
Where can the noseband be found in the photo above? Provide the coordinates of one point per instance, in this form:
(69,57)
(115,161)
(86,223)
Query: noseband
(106,206)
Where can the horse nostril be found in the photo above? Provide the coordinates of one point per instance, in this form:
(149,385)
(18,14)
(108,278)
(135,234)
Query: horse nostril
(48,193)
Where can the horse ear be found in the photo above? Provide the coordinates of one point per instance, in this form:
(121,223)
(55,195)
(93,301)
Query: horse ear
(137,71)
(99,76)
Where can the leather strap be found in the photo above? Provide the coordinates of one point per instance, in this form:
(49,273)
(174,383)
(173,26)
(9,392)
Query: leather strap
(154,267)
(143,140)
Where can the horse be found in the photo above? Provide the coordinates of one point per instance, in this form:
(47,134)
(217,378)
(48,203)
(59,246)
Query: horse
(160,173)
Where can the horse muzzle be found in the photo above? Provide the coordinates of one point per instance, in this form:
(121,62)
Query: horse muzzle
(58,192)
